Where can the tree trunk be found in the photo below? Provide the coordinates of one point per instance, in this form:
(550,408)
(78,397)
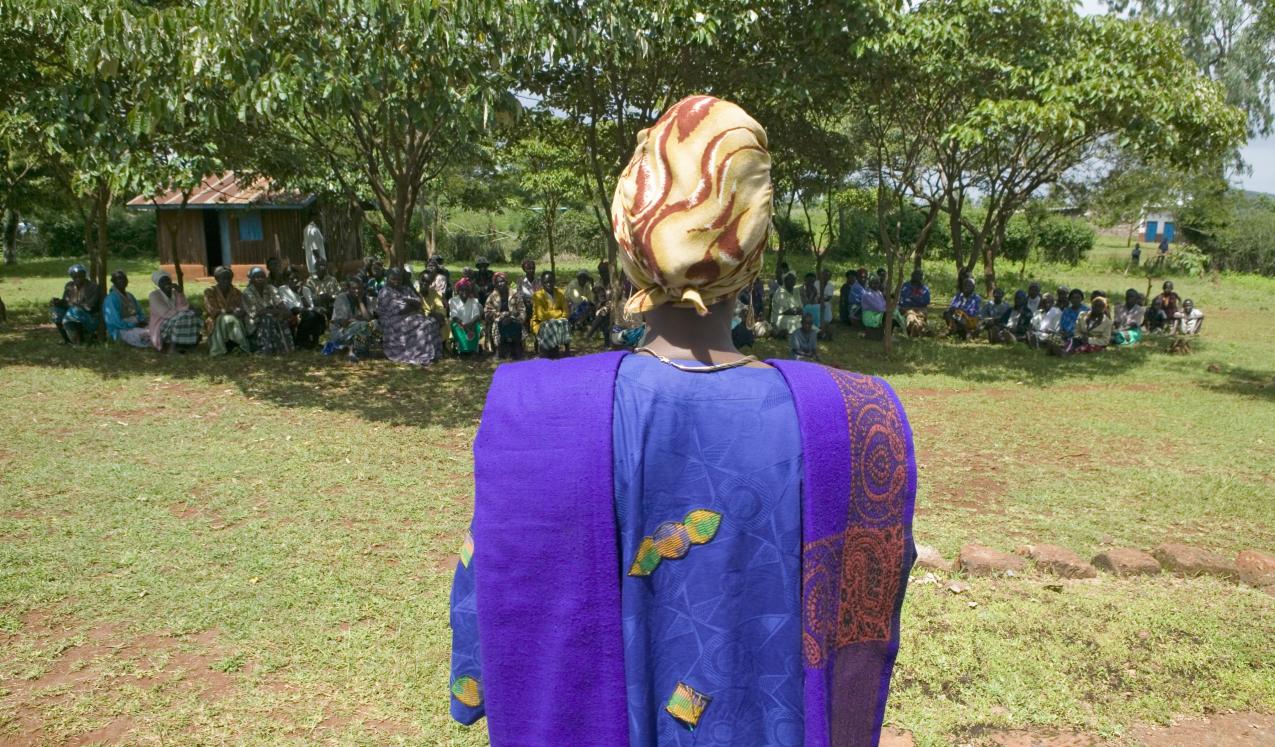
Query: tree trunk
(551,218)
(103,208)
(398,239)
(989,266)
(11,237)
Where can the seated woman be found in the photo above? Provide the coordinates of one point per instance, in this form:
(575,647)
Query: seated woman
(465,315)
(852,296)
(579,293)
(226,324)
(504,314)
(804,343)
(408,334)
(1071,315)
(308,322)
(75,314)
(785,308)
(873,312)
(268,315)
(812,299)
(914,301)
(1017,322)
(321,289)
(1129,317)
(1045,322)
(174,325)
(125,320)
(1189,320)
(962,313)
(741,323)
(994,315)
(1093,331)
(549,314)
(354,327)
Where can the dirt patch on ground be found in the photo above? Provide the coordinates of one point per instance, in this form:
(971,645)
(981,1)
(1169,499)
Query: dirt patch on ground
(107,657)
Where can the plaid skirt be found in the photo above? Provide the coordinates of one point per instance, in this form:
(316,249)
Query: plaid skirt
(182,328)
(554,333)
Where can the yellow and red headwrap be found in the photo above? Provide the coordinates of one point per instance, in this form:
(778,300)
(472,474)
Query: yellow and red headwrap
(692,210)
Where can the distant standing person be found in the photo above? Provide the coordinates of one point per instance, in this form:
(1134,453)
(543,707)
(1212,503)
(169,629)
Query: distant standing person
(312,244)
(1136,256)
(1164,250)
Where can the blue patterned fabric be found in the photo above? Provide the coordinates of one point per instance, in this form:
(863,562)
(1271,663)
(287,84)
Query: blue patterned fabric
(724,619)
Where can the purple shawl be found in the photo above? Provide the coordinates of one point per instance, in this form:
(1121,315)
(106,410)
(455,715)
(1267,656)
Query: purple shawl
(548,586)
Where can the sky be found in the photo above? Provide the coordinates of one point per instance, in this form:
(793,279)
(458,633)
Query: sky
(1259,154)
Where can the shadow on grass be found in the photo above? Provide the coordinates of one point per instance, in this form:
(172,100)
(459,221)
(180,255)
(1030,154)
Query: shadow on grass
(1244,382)
(449,394)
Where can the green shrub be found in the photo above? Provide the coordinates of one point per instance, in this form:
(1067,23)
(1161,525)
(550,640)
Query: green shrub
(131,234)
(576,232)
(1066,240)
(1248,243)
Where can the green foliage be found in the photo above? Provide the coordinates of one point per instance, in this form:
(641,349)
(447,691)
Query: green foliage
(61,234)
(576,233)
(1065,240)
(1247,244)
(1020,239)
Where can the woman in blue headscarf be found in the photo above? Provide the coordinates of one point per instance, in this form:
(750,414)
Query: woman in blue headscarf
(125,320)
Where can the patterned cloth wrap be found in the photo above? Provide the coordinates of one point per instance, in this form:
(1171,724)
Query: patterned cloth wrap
(692,210)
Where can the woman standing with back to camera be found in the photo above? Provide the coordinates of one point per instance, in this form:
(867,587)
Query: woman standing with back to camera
(685,545)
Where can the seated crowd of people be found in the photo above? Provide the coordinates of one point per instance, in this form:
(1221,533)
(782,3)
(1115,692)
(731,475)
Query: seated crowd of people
(375,312)
(1064,323)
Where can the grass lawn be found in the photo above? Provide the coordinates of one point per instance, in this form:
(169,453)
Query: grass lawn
(253,551)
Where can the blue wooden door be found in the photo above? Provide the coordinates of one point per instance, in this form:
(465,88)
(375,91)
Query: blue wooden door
(1151,229)
(1168,231)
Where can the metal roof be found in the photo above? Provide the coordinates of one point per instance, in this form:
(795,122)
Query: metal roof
(226,191)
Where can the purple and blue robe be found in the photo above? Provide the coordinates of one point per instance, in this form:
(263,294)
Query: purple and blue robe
(708,559)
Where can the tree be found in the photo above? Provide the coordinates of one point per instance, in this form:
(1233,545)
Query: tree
(542,165)
(1037,91)
(386,96)
(1230,41)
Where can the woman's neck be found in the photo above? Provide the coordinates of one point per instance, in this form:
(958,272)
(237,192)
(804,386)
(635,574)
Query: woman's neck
(682,334)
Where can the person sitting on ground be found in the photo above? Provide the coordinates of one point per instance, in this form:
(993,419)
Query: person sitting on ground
(276,272)
(1045,322)
(1060,297)
(1129,318)
(504,314)
(226,322)
(579,293)
(852,295)
(1093,331)
(1170,300)
(1033,297)
(549,312)
(321,289)
(268,315)
(914,302)
(174,326)
(962,313)
(741,323)
(785,308)
(803,344)
(354,327)
(1189,319)
(375,278)
(1157,321)
(125,320)
(811,299)
(465,316)
(994,315)
(828,291)
(75,314)
(528,284)
(873,314)
(484,280)
(1017,322)
(408,334)
(882,275)
(777,282)
(308,322)
(601,323)
(1071,315)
